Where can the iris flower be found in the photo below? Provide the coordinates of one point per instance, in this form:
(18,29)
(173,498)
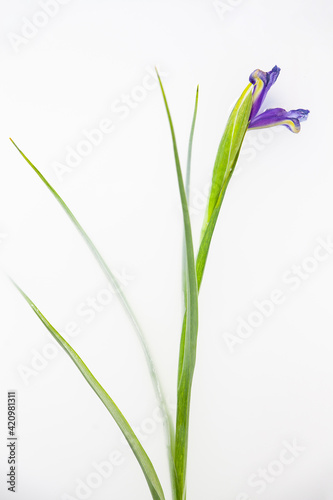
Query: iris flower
(262,82)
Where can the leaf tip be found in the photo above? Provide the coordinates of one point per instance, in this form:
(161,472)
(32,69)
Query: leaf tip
(11,140)
(14,283)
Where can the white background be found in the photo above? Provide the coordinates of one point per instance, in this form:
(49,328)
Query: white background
(275,386)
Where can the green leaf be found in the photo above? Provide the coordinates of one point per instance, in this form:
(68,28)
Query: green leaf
(187,182)
(139,452)
(226,159)
(190,343)
(190,144)
(117,288)
(208,233)
(229,149)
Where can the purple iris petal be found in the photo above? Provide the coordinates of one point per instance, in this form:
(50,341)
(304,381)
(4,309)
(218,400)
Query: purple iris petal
(279,116)
(262,82)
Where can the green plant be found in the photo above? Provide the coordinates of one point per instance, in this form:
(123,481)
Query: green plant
(245,115)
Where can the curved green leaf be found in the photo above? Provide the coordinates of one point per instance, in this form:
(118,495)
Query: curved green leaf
(187,182)
(191,332)
(140,454)
(229,148)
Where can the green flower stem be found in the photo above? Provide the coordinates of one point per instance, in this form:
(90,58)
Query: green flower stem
(225,163)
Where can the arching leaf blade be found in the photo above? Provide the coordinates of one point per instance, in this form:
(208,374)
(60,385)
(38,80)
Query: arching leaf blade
(139,452)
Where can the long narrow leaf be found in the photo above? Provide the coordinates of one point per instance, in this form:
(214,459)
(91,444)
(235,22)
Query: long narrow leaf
(140,454)
(117,288)
(185,385)
(188,180)
(226,159)
(190,145)
(229,148)
(104,267)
